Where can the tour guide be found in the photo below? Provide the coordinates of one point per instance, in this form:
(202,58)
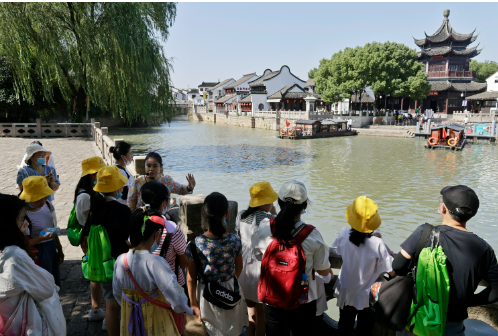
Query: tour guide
(469,258)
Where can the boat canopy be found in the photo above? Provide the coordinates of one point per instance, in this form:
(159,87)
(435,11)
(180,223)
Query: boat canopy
(306,122)
(455,127)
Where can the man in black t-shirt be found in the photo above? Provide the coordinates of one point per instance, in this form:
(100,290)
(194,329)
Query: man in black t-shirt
(470,259)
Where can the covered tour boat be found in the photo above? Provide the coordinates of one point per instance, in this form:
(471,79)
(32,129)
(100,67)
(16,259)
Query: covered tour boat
(308,129)
(447,136)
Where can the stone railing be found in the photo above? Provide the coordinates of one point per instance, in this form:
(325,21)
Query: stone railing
(45,130)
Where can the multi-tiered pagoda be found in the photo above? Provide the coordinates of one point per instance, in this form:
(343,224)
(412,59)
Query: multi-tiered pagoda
(446,55)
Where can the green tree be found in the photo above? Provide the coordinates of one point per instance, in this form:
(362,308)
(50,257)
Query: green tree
(109,51)
(483,69)
(312,72)
(388,68)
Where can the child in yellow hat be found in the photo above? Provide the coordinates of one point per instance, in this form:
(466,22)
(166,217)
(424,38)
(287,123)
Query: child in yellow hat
(364,257)
(40,213)
(260,207)
(114,217)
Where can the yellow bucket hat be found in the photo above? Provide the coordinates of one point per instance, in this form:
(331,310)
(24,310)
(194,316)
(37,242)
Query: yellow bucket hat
(34,188)
(262,193)
(92,165)
(362,215)
(109,179)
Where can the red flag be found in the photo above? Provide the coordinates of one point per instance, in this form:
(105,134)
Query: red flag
(287,123)
(444,133)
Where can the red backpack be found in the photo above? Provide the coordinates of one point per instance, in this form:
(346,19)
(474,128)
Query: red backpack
(281,269)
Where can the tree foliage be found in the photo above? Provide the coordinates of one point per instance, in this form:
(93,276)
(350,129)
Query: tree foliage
(483,69)
(109,51)
(388,68)
(312,73)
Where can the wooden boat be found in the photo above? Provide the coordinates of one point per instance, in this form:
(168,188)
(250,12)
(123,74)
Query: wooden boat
(308,129)
(447,136)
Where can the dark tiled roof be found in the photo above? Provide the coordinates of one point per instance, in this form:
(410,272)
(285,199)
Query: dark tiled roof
(246,99)
(220,84)
(283,94)
(445,33)
(259,81)
(468,87)
(310,82)
(193,91)
(208,84)
(279,94)
(488,95)
(466,52)
(455,127)
(240,81)
(365,98)
(224,98)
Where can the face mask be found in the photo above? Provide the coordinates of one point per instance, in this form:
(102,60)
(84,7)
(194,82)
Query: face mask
(119,195)
(31,206)
(127,162)
(94,183)
(304,211)
(165,210)
(41,161)
(224,223)
(154,247)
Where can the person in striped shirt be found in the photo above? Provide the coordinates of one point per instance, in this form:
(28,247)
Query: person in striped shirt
(156,196)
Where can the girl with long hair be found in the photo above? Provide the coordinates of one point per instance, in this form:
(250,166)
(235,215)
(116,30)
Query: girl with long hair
(23,284)
(123,156)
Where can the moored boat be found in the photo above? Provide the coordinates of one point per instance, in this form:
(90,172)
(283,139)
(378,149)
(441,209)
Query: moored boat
(447,136)
(308,129)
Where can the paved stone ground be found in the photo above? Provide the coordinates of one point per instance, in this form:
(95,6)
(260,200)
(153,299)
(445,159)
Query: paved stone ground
(68,154)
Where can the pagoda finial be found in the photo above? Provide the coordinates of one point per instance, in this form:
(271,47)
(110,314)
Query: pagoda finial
(446,13)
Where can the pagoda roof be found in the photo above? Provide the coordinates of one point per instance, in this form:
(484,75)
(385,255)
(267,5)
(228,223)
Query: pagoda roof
(461,87)
(208,84)
(365,98)
(488,95)
(446,33)
(450,51)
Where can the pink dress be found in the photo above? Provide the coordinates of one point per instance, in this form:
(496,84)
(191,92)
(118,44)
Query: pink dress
(133,194)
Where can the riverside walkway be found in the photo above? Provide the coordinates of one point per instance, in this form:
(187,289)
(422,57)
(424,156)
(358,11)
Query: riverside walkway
(68,154)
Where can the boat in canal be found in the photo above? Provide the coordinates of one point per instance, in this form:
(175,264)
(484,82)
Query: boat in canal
(447,136)
(309,129)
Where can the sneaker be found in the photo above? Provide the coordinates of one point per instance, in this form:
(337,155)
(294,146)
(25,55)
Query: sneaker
(96,315)
(104,328)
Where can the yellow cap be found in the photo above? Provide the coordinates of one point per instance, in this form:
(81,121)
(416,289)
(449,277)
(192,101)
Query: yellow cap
(109,179)
(262,193)
(362,215)
(34,188)
(91,165)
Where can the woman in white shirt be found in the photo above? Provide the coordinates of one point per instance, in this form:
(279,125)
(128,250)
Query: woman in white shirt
(293,200)
(27,291)
(124,157)
(82,192)
(364,258)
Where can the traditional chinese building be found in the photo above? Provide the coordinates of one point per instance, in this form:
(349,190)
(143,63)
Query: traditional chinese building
(446,55)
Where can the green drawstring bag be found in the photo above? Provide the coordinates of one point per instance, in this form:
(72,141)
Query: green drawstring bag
(428,314)
(74,228)
(98,265)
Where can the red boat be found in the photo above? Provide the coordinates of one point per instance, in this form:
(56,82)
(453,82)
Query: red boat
(447,136)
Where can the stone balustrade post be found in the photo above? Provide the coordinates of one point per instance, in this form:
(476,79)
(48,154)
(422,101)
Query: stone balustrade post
(105,154)
(139,165)
(38,128)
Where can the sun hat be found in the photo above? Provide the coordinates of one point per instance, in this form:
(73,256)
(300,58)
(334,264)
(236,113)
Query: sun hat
(35,148)
(109,179)
(92,165)
(262,193)
(34,188)
(460,198)
(295,190)
(362,215)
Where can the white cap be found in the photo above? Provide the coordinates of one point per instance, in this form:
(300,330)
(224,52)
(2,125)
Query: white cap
(35,148)
(295,190)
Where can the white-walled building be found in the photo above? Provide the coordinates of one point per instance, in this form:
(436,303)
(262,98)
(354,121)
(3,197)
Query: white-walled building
(492,82)
(179,94)
(266,85)
(218,91)
(236,91)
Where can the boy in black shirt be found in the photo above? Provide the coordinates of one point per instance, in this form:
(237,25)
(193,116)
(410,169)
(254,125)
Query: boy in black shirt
(469,258)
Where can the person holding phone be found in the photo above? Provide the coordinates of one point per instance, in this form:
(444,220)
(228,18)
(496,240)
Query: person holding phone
(36,160)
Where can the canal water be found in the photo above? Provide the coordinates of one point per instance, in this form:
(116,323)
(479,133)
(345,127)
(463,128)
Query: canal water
(399,174)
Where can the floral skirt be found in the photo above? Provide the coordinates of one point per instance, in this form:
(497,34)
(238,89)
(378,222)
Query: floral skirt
(157,320)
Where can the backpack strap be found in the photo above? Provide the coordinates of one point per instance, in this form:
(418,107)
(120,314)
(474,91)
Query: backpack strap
(145,296)
(197,260)
(123,169)
(164,251)
(303,233)
(423,241)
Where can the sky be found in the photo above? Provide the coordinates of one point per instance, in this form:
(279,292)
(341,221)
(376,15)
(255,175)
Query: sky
(216,41)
